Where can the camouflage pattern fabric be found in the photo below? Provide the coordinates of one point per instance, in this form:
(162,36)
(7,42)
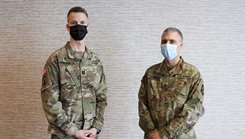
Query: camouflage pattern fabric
(170,101)
(73,92)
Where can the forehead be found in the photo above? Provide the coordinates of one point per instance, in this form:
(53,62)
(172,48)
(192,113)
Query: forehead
(171,35)
(77,16)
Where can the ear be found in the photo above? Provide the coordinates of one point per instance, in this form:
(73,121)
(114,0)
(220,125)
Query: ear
(181,44)
(67,27)
(88,27)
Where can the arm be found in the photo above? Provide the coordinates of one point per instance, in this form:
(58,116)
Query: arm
(52,106)
(145,121)
(191,110)
(101,103)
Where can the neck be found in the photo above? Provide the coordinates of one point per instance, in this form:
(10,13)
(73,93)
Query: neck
(173,62)
(77,45)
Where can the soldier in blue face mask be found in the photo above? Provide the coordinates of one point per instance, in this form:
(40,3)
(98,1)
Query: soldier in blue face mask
(171,93)
(73,85)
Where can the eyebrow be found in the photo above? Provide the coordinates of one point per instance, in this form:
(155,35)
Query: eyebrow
(171,40)
(82,21)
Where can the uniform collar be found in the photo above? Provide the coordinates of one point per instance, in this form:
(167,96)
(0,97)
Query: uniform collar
(177,69)
(77,55)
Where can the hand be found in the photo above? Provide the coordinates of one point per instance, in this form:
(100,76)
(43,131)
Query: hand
(155,135)
(91,133)
(81,134)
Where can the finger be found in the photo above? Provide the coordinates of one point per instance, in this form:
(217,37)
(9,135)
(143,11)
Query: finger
(92,137)
(87,135)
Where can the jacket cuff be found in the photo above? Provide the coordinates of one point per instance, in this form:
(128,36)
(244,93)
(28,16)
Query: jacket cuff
(149,133)
(97,124)
(164,133)
(72,130)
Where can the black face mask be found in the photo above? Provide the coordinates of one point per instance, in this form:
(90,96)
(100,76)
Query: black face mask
(78,32)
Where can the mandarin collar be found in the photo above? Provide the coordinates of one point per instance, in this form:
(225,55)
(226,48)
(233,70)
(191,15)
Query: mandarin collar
(76,55)
(175,70)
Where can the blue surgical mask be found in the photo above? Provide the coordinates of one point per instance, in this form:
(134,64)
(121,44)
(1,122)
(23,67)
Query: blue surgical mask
(169,51)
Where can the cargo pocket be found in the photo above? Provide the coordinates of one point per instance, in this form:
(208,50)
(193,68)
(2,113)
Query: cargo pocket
(153,99)
(47,81)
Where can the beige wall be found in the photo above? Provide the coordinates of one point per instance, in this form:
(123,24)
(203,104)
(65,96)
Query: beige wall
(126,35)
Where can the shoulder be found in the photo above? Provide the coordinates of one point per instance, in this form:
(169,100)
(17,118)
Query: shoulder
(152,69)
(190,69)
(91,53)
(53,58)
(94,57)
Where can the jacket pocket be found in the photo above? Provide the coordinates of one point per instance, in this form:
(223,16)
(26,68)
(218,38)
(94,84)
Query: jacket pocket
(91,75)
(182,90)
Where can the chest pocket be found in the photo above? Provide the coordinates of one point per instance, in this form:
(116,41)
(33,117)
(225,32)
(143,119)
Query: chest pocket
(181,90)
(90,76)
(73,75)
(68,79)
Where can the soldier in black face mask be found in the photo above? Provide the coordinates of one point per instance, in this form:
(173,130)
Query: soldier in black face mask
(73,85)
(77,25)
(78,32)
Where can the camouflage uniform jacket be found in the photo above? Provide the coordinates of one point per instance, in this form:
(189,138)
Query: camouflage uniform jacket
(170,101)
(73,92)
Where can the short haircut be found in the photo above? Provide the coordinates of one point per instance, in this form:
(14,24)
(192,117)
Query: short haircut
(173,29)
(77,9)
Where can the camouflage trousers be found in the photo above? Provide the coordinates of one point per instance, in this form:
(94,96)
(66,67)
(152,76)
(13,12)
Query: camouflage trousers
(55,137)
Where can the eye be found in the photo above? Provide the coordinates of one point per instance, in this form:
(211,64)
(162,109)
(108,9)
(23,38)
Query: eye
(164,41)
(83,22)
(73,23)
(172,41)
